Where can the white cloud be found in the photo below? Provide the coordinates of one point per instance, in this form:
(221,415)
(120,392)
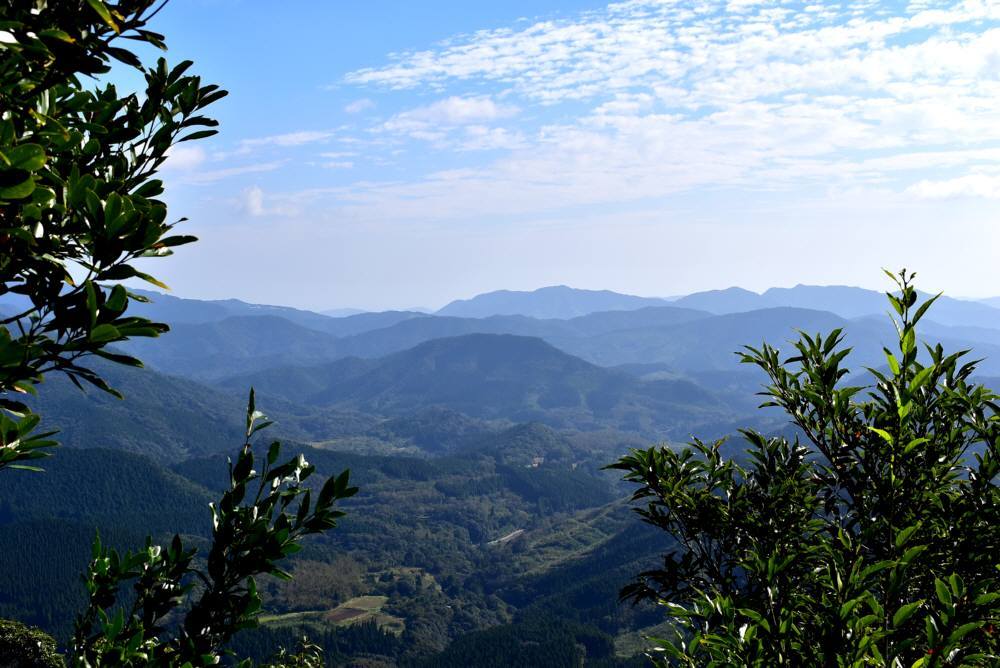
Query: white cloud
(431,120)
(285,140)
(972,185)
(183,157)
(257,203)
(457,122)
(460,110)
(356,107)
(253,201)
(483,138)
(213,175)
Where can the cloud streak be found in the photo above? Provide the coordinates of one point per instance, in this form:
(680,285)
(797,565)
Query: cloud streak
(286,140)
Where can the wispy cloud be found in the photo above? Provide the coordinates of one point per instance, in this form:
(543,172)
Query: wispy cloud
(485,138)
(253,201)
(202,177)
(658,97)
(972,185)
(356,107)
(651,42)
(286,140)
(457,110)
(458,122)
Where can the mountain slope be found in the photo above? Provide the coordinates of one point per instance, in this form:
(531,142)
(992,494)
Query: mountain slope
(248,345)
(300,383)
(177,310)
(170,419)
(479,374)
(706,344)
(235,344)
(162,417)
(48,522)
(492,376)
(729,300)
(102,486)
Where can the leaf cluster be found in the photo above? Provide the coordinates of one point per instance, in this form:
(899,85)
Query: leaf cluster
(79,201)
(261,518)
(873,541)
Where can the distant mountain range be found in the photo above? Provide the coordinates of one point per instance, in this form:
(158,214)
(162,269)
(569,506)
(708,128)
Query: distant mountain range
(562,302)
(668,369)
(559,303)
(565,303)
(685,339)
(847,302)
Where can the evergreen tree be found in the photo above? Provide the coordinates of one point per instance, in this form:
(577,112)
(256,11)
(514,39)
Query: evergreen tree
(870,539)
(79,197)
(79,206)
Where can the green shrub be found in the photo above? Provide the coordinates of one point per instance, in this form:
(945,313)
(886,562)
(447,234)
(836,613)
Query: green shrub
(25,647)
(872,541)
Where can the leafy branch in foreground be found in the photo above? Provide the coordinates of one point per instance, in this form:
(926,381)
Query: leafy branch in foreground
(261,519)
(79,201)
(875,542)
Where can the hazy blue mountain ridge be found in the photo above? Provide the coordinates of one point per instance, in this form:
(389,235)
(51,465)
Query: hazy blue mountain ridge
(845,301)
(557,301)
(176,310)
(238,343)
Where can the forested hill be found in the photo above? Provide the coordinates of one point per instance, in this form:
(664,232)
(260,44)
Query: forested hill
(499,376)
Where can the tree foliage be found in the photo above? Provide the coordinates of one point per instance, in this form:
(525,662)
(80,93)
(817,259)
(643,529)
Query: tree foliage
(872,541)
(79,201)
(79,207)
(261,519)
(24,647)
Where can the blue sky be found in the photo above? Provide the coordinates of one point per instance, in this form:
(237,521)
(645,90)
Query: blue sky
(384,154)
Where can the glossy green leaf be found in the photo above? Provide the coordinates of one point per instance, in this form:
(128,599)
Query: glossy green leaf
(29,157)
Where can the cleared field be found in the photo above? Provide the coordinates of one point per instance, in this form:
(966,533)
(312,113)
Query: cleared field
(353,611)
(635,642)
(292,617)
(363,608)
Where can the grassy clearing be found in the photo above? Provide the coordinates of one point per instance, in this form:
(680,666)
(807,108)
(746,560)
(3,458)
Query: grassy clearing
(292,617)
(353,611)
(366,603)
(630,644)
(363,608)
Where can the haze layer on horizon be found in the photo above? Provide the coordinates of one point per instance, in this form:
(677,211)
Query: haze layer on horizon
(389,155)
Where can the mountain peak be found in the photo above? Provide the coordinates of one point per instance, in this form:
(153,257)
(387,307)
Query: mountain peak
(551,302)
